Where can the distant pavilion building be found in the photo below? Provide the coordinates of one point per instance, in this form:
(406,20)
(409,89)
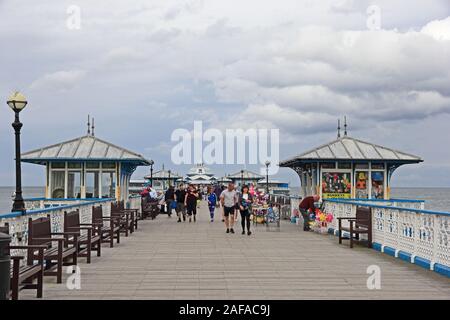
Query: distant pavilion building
(86,167)
(348,168)
(245,177)
(163,178)
(224,180)
(200,175)
(275,186)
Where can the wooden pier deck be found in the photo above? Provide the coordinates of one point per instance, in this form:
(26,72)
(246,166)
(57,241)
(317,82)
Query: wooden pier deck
(169,260)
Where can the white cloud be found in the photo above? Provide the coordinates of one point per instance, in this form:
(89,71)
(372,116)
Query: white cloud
(59,81)
(438,29)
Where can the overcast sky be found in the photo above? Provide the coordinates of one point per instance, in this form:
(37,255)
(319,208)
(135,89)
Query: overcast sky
(145,68)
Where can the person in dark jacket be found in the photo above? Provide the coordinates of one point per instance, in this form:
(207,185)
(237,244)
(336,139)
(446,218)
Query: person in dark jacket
(180,195)
(190,202)
(245,202)
(169,197)
(306,207)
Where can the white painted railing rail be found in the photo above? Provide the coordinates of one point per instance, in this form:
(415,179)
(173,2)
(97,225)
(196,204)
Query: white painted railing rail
(55,208)
(403,229)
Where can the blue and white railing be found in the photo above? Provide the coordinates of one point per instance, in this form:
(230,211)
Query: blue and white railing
(288,203)
(403,229)
(40,207)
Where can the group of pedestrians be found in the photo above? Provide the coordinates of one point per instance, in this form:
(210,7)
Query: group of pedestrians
(233,202)
(184,201)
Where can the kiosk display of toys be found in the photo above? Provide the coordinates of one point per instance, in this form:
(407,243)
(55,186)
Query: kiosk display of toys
(273,218)
(321,221)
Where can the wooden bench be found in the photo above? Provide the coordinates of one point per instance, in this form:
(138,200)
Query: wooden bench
(55,257)
(149,208)
(22,276)
(89,240)
(107,232)
(127,217)
(361,224)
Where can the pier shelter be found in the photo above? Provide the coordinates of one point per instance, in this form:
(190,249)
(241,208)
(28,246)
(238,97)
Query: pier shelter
(348,168)
(86,167)
(163,178)
(245,177)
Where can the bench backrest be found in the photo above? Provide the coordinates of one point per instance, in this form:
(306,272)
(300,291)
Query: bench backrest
(39,228)
(97,215)
(117,206)
(71,220)
(364,217)
(5,228)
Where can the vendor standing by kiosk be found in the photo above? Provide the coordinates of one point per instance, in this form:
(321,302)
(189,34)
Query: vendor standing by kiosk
(306,207)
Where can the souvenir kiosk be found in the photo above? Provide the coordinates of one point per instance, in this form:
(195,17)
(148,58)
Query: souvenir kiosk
(348,168)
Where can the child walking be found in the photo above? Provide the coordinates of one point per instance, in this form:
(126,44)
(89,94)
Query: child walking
(212,201)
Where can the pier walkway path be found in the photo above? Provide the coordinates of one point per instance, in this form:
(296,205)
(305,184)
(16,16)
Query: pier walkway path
(164,259)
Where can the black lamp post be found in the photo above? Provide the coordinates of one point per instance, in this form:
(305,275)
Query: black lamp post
(242,178)
(151,172)
(267,176)
(17,103)
(169,177)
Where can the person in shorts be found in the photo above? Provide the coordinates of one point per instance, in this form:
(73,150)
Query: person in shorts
(229,200)
(180,196)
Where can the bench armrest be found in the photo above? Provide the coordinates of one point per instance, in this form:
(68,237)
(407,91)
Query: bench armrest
(35,247)
(80,228)
(121,213)
(108,218)
(351,218)
(50,239)
(91,224)
(64,234)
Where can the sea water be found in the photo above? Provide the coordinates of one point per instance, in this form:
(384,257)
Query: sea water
(436,199)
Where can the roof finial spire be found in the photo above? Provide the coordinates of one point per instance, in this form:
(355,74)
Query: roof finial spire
(345,126)
(339,128)
(89,126)
(93,127)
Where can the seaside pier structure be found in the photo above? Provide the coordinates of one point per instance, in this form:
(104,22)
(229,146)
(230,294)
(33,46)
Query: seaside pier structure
(348,168)
(86,168)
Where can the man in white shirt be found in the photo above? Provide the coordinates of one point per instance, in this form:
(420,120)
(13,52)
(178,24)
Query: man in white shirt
(229,199)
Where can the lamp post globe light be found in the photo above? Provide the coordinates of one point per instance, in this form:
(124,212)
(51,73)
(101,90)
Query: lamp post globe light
(151,172)
(17,102)
(267,175)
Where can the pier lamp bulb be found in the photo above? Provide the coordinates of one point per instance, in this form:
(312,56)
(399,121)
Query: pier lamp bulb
(17,101)
(267,163)
(152,162)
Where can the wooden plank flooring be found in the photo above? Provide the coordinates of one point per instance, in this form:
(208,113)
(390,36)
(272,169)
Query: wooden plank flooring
(164,259)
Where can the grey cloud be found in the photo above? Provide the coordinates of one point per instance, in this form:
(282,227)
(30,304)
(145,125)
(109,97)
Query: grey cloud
(294,65)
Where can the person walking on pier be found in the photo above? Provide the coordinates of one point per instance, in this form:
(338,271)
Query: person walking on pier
(245,202)
(306,207)
(169,197)
(229,199)
(190,201)
(180,196)
(212,201)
